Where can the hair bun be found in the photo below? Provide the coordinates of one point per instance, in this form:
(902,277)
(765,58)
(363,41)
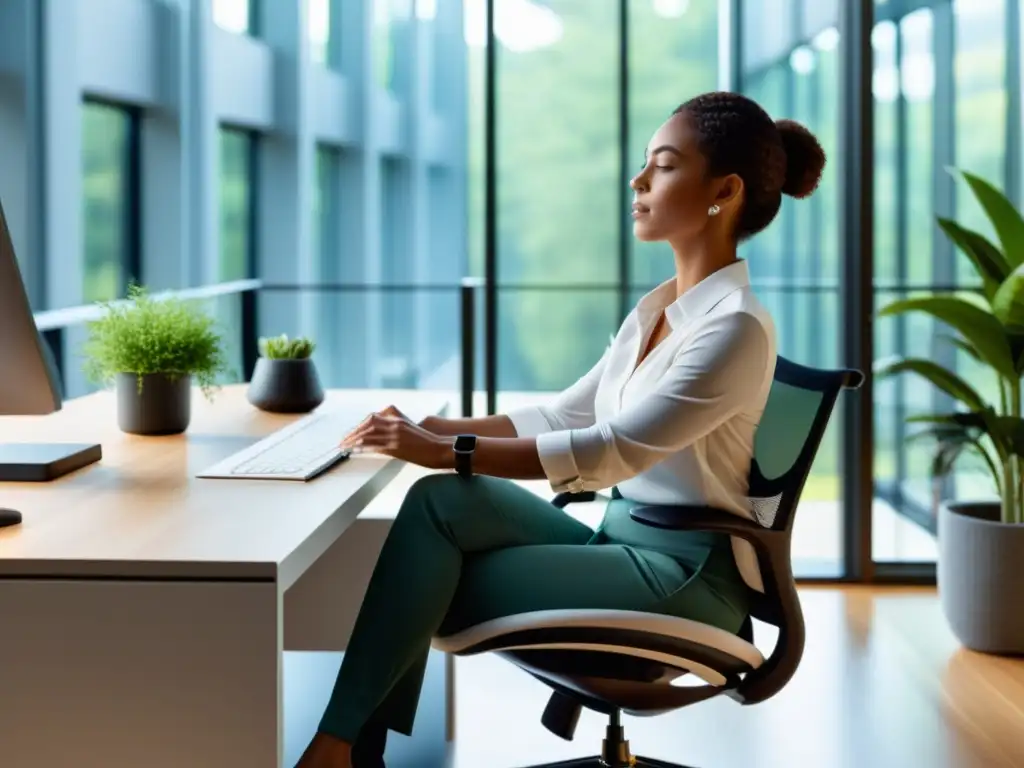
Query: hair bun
(805,159)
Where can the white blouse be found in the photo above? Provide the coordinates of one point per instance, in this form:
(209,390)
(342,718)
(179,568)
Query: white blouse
(678,428)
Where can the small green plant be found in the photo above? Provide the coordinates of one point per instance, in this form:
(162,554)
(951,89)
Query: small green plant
(143,335)
(283,348)
(989,328)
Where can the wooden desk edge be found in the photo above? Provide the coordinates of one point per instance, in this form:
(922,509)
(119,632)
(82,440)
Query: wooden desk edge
(286,572)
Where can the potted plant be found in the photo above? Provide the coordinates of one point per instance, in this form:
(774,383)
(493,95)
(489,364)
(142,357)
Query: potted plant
(981,543)
(285,379)
(153,350)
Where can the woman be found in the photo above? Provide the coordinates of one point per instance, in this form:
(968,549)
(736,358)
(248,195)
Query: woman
(667,415)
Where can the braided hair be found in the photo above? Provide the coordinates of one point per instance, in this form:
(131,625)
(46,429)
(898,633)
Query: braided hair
(773,157)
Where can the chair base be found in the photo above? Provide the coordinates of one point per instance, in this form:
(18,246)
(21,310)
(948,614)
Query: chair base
(614,752)
(597,762)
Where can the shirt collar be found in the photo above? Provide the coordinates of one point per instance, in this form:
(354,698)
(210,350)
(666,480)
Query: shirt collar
(698,300)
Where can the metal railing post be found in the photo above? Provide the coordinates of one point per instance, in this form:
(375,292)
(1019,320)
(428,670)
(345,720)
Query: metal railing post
(249,331)
(467,295)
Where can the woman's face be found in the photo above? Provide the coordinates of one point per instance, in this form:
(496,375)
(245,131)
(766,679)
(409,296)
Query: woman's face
(671,194)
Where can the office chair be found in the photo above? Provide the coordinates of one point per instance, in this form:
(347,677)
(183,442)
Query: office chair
(626,661)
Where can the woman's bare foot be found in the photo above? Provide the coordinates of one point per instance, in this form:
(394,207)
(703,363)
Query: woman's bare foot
(326,752)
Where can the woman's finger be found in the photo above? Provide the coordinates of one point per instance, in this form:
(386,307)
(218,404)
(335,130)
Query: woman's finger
(357,433)
(376,444)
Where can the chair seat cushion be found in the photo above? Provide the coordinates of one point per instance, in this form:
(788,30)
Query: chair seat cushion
(672,643)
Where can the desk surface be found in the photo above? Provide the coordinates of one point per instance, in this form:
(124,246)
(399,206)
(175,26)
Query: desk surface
(142,513)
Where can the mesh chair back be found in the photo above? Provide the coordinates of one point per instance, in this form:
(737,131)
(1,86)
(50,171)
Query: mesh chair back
(787,439)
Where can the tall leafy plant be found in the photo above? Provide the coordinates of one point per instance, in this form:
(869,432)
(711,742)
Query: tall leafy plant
(989,328)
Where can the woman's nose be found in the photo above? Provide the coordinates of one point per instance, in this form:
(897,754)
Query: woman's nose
(637,183)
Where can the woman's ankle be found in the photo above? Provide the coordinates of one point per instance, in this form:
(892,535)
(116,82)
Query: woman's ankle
(326,751)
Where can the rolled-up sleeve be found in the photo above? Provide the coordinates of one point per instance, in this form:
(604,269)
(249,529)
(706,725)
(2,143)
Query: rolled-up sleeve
(572,409)
(716,375)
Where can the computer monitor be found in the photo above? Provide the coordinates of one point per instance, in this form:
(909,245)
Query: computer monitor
(28,386)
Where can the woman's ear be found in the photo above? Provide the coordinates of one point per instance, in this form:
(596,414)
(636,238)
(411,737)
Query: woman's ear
(730,191)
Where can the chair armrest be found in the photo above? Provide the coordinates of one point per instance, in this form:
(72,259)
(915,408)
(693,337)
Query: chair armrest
(779,605)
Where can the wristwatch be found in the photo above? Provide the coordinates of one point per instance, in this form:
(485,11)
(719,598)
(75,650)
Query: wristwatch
(464,447)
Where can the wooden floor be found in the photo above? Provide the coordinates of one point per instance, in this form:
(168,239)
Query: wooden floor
(883,684)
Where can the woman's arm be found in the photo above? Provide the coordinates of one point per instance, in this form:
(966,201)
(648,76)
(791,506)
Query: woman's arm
(484,426)
(719,373)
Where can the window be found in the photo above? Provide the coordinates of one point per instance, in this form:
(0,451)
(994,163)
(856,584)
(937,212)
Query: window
(233,15)
(905,262)
(396,363)
(393,26)
(236,203)
(321,42)
(558,195)
(108,219)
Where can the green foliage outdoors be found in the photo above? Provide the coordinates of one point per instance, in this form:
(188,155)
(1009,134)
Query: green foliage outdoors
(283,348)
(143,335)
(991,331)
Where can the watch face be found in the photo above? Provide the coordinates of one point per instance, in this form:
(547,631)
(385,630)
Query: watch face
(465,442)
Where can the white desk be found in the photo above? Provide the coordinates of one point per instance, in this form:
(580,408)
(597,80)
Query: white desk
(144,613)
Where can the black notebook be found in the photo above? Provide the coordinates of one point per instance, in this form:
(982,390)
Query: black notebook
(40,462)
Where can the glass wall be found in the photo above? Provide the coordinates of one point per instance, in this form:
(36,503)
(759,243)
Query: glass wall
(941,90)
(558,208)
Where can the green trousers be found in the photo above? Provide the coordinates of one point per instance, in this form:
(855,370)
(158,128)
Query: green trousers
(462,551)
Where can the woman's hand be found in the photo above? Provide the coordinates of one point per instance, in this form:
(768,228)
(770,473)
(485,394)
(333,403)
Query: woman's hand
(391,433)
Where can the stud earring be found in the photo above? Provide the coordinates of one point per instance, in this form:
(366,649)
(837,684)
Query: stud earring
(713,210)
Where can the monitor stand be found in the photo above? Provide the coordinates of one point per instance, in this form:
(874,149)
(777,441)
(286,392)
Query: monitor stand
(9,517)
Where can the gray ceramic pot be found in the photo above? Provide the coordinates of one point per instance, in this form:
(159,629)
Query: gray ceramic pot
(285,386)
(162,407)
(980,577)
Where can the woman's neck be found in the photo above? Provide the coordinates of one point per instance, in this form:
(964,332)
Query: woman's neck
(697,259)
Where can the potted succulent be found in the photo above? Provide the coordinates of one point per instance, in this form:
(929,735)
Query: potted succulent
(285,379)
(981,543)
(153,350)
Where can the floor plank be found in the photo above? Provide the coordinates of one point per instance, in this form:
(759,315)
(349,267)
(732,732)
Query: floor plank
(883,684)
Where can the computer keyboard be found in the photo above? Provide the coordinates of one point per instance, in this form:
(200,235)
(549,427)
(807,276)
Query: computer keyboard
(300,451)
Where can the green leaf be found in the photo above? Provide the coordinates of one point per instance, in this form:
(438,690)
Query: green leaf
(144,334)
(987,260)
(945,458)
(952,439)
(1008,302)
(1010,430)
(948,382)
(962,344)
(985,333)
(960,420)
(1006,220)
